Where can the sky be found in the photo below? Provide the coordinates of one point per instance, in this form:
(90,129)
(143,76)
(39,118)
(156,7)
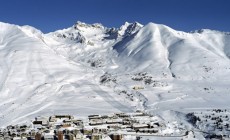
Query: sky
(51,15)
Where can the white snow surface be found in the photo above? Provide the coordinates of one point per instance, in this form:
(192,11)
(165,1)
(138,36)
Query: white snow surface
(91,69)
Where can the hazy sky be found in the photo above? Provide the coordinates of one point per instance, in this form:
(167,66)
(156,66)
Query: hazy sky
(50,15)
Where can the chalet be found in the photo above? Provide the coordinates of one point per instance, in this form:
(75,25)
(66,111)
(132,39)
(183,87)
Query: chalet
(13,135)
(126,127)
(147,130)
(32,134)
(52,119)
(66,125)
(87,130)
(37,122)
(48,136)
(23,129)
(126,122)
(114,126)
(139,126)
(138,87)
(94,117)
(67,121)
(18,138)
(24,135)
(7,138)
(154,124)
(69,137)
(95,130)
(103,130)
(10,127)
(78,122)
(138,114)
(114,121)
(64,116)
(105,117)
(67,131)
(41,120)
(116,136)
(23,126)
(38,127)
(79,136)
(123,115)
(38,136)
(60,136)
(96,122)
(76,131)
(96,136)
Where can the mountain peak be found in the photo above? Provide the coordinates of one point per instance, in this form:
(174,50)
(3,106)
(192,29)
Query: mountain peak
(80,25)
(129,28)
(132,23)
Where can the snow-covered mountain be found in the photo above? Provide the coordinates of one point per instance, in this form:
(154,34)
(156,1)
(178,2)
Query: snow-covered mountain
(89,69)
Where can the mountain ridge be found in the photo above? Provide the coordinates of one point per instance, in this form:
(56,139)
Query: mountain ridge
(89,68)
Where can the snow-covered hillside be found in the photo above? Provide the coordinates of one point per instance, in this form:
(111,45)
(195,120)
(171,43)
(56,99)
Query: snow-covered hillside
(89,69)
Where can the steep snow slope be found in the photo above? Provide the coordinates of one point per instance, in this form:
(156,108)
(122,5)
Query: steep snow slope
(185,70)
(37,80)
(169,69)
(159,47)
(87,69)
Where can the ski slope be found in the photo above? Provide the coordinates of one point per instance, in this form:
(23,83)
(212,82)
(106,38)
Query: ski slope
(91,69)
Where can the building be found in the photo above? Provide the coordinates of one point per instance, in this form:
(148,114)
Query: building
(96,136)
(116,136)
(38,136)
(60,136)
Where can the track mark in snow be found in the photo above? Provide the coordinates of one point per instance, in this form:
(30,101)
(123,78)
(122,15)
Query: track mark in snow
(5,68)
(36,111)
(109,99)
(28,69)
(44,70)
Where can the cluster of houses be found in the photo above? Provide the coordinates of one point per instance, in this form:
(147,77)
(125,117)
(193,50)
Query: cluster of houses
(116,126)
